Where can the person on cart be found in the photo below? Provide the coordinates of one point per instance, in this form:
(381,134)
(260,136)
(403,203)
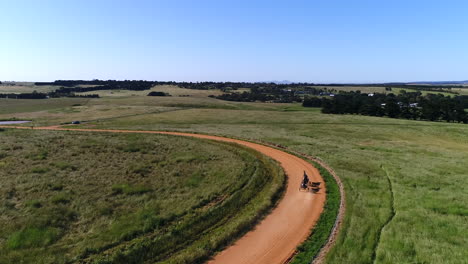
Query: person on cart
(305,181)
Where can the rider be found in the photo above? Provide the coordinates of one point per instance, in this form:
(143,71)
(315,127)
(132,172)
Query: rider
(305,180)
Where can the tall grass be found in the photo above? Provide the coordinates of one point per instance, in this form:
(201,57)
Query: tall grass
(78,196)
(130,189)
(32,237)
(204,231)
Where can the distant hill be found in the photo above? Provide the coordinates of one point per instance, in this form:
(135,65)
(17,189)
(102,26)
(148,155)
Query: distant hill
(440,82)
(280,82)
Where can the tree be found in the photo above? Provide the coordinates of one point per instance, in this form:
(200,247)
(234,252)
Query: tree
(312,102)
(392,109)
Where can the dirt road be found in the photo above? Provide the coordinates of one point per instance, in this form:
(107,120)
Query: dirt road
(275,238)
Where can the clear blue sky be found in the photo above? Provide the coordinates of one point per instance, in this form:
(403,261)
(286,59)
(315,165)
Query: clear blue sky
(315,41)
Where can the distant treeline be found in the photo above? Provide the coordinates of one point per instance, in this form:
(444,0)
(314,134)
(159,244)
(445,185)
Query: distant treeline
(273,93)
(408,105)
(250,85)
(394,85)
(69,88)
(36,95)
(264,94)
(99,85)
(33,95)
(225,86)
(259,91)
(270,91)
(114,83)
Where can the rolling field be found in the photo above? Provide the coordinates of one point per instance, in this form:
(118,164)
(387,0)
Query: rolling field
(169,89)
(20,107)
(115,104)
(461,91)
(25,87)
(378,89)
(405,180)
(97,198)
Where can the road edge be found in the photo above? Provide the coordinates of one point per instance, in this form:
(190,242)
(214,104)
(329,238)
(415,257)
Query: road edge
(320,257)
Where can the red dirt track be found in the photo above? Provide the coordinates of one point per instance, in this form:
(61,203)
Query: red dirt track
(275,238)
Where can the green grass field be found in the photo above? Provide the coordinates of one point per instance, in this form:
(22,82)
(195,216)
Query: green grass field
(379,89)
(25,87)
(94,198)
(170,89)
(405,180)
(399,175)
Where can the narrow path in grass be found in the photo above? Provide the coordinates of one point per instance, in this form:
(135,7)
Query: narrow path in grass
(390,218)
(277,236)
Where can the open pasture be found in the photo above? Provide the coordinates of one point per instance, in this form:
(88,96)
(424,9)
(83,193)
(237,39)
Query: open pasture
(379,89)
(169,89)
(89,197)
(25,87)
(399,174)
(405,180)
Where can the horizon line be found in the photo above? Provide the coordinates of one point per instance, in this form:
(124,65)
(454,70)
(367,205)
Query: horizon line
(274,81)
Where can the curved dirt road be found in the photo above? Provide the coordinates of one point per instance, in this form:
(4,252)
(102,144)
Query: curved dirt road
(276,237)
